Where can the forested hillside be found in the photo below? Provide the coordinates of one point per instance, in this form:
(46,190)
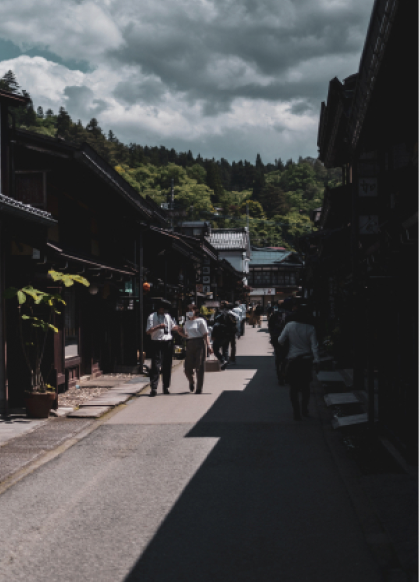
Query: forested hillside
(279,196)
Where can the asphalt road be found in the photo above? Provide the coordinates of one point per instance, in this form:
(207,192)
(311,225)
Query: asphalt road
(223,486)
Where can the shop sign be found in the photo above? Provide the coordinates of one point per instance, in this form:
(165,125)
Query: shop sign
(368,224)
(368,187)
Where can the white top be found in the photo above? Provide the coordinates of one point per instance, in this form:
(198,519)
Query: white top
(231,312)
(238,312)
(159,335)
(302,339)
(195,328)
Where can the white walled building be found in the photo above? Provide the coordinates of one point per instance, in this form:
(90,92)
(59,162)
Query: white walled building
(233,245)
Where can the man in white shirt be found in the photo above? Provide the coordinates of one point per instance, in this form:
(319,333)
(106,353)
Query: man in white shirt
(303,346)
(160,327)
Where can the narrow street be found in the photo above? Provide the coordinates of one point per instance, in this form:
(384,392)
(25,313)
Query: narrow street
(223,486)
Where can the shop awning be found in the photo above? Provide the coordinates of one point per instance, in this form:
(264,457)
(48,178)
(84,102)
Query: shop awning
(90,261)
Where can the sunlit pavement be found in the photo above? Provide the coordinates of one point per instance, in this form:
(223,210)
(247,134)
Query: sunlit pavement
(222,486)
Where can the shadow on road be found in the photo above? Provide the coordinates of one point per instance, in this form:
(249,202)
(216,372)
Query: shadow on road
(265,505)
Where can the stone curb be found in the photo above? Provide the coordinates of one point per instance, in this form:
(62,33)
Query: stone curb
(376,536)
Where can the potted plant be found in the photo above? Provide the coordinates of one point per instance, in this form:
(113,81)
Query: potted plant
(33,333)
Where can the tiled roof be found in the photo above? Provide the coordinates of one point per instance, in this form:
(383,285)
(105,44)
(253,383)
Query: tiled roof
(228,239)
(26,211)
(270,257)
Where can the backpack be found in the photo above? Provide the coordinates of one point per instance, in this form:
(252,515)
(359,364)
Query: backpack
(277,323)
(223,325)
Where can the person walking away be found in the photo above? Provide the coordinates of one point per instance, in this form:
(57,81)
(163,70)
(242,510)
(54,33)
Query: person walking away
(251,314)
(232,323)
(160,327)
(276,325)
(198,345)
(237,310)
(303,346)
(221,332)
(257,314)
(243,320)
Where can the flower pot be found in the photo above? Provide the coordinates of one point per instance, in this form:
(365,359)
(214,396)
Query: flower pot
(38,404)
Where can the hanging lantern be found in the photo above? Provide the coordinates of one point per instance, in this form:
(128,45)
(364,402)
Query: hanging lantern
(146,287)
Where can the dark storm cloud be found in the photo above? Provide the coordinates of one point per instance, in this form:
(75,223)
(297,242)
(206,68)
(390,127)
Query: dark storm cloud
(204,57)
(148,91)
(81,102)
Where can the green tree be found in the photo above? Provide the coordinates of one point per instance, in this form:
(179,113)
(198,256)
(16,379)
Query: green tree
(274,200)
(254,208)
(9,82)
(63,121)
(93,127)
(213,180)
(259,183)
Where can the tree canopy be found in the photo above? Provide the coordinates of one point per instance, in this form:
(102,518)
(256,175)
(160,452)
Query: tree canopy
(280,196)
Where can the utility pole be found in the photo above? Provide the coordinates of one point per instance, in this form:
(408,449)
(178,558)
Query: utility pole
(247,215)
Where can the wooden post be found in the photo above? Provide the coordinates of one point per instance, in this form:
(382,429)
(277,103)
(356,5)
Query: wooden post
(141,306)
(358,378)
(370,320)
(3,373)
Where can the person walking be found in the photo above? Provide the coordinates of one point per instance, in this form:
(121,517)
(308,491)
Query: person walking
(232,316)
(237,310)
(160,326)
(303,347)
(198,344)
(223,328)
(257,315)
(243,320)
(276,325)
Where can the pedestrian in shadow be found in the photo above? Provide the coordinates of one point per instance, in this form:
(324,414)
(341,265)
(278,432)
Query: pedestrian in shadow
(303,351)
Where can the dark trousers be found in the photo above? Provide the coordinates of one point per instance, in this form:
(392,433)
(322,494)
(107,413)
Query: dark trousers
(232,342)
(195,359)
(280,353)
(220,348)
(243,326)
(299,375)
(161,361)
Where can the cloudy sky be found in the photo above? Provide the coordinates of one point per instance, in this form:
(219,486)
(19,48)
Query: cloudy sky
(224,78)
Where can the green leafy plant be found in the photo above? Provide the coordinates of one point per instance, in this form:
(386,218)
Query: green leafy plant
(33,330)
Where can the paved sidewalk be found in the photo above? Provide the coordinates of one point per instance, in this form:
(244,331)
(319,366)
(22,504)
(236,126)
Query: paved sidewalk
(219,486)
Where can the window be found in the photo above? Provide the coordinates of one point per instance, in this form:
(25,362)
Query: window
(30,188)
(71,330)
(266,277)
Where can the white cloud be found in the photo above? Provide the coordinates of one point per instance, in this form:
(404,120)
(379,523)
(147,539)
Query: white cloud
(71,30)
(217,76)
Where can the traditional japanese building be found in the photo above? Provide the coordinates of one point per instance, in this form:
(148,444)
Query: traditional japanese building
(233,245)
(362,264)
(273,274)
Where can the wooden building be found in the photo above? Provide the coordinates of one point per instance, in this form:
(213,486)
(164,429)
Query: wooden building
(273,274)
(362,264)
(98,231)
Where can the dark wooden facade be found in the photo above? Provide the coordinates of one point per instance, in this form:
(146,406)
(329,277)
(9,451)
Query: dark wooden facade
(98,234)
(362,264)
